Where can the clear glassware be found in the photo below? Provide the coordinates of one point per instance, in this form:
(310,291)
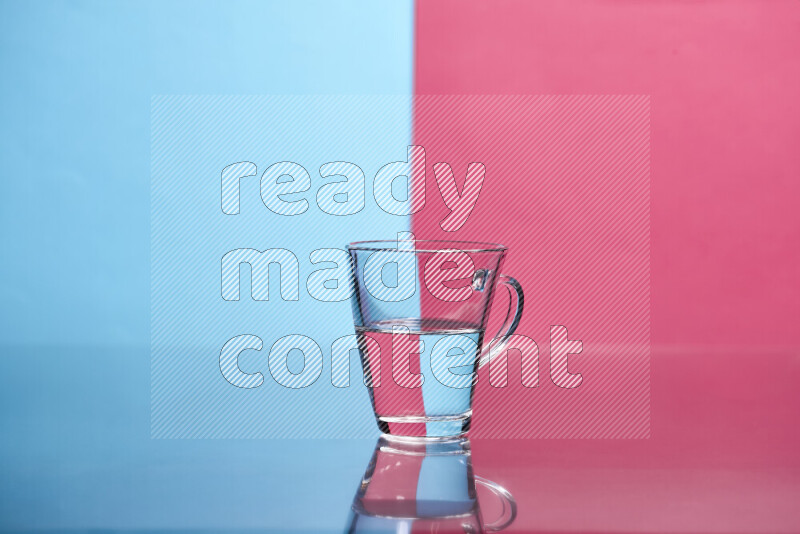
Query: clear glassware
(420,310)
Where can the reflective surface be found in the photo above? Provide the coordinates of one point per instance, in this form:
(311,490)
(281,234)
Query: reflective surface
(416,486)
(76,456)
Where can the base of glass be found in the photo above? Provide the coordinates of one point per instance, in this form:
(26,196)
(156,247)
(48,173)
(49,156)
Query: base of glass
(429,428)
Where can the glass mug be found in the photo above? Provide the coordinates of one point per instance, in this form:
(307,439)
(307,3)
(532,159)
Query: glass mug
(411,487)
(420,309)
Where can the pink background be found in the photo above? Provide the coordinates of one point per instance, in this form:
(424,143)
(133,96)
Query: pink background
(723,84)
(567,190)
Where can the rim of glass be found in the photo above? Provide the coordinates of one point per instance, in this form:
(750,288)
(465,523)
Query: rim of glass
(464,246)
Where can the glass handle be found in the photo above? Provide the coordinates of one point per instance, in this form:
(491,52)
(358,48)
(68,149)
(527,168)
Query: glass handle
(515,305)
(509,505)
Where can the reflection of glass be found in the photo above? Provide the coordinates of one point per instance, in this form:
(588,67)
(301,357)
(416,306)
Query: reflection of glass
(428,320)
(414,487)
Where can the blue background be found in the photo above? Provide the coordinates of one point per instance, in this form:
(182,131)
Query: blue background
(77,80)
(194,138)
